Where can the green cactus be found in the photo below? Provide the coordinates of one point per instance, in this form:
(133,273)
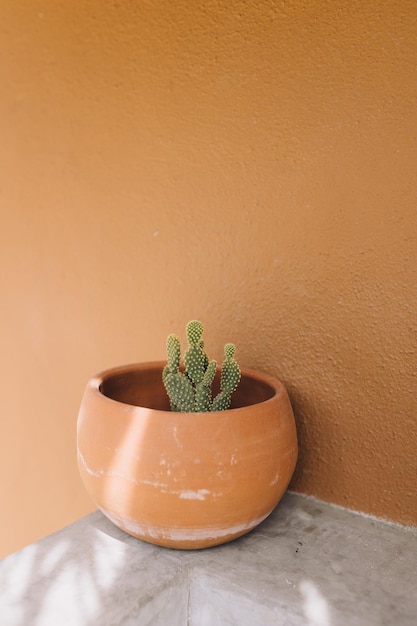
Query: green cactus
(195,359)
(229,380)
(190,390)
(179,388)
(203,389)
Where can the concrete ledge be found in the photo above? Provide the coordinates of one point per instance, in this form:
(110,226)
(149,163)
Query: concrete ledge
(309,564)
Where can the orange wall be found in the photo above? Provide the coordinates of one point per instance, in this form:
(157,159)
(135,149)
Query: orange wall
(249,164)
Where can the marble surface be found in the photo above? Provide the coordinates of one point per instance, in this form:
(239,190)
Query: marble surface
(309,564)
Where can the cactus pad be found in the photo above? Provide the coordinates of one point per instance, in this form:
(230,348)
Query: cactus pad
(229,379)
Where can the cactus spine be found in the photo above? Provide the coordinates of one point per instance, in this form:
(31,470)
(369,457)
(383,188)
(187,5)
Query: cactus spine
(190,390)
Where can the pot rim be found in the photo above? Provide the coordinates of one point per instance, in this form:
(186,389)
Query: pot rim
(94,384)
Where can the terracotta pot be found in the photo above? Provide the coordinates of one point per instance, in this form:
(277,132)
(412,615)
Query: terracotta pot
(184,480)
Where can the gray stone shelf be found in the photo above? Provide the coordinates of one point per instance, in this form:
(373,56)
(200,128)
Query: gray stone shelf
(309,564)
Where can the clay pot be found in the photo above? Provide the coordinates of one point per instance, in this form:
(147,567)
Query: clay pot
(184,480)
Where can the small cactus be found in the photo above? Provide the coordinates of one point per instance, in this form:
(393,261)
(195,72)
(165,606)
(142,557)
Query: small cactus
(190,390)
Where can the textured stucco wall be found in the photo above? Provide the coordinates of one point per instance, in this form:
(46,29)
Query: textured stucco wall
(248,164)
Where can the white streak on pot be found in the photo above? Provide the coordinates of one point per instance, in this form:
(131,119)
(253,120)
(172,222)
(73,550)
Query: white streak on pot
(194,495)
(96,473)
(177,441)
(145,531)
(274,480)
(100,473)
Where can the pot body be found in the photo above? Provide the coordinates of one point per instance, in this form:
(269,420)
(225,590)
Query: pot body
(184,480)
